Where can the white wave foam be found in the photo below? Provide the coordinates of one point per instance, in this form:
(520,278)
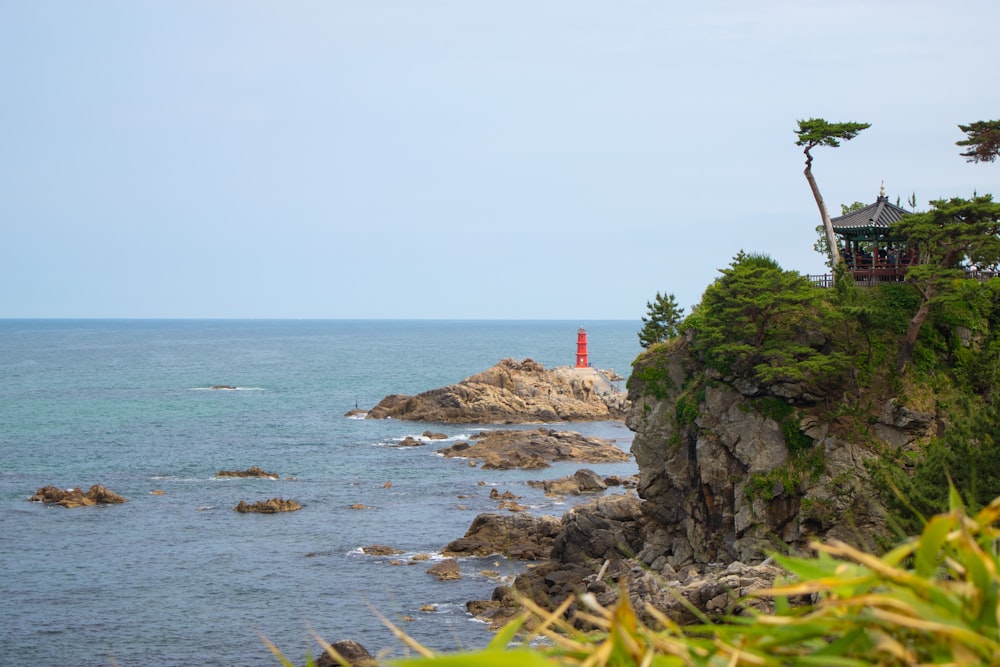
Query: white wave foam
(226,388)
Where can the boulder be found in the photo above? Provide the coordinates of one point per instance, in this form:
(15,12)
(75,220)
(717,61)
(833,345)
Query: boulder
(582,481)
(514,392)
(446,570)
(354,653)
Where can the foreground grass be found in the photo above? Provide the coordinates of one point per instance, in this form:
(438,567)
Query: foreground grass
(933,600)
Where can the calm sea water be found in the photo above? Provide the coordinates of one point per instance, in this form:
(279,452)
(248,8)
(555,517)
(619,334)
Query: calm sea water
(181,579)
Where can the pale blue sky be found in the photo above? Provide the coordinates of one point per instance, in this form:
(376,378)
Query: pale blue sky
(463,159)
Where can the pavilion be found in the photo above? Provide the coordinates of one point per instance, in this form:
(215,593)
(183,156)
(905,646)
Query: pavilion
(872,252)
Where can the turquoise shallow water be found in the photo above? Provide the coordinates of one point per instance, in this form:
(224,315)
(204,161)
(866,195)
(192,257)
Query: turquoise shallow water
(181,579)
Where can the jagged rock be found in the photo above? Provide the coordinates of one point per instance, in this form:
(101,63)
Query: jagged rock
(516,536)
(446,570)
(253,471)
(434,436)
(272,506)
(535,448)
(354,653)
(582,481)
(512,392)
(96,495)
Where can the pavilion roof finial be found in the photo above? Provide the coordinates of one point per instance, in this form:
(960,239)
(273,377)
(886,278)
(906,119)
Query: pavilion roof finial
(881,190)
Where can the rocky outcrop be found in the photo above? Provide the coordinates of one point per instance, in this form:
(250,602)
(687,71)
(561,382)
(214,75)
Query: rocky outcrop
(96,495)
(608,546)
(272,506)
(536,448)
(516,536)
(514,392)
(253,471)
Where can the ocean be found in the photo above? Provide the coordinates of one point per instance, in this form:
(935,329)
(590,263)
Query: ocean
(179,578)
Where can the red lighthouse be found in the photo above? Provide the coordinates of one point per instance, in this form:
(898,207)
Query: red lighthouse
(581,348)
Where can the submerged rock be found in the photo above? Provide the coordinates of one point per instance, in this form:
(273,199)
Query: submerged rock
(253,471)
(380,550)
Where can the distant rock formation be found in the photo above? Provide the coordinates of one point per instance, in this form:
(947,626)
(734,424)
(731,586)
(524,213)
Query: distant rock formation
(512,392)
(272,506)
(253,471)
(97,495)
(535,448)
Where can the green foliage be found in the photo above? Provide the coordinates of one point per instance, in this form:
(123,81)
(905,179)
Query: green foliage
(851,208)
(663,318)
(755,322)
(966,456)
(787,418)
(686,408)
(818,132)
(651,372)
(951,231)
(983,137)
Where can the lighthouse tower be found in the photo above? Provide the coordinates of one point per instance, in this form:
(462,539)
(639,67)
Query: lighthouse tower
(581,348)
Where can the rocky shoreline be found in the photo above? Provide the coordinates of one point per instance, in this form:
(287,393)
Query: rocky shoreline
(742,471)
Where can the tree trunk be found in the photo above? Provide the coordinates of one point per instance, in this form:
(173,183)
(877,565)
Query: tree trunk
(910,340)
(831,238)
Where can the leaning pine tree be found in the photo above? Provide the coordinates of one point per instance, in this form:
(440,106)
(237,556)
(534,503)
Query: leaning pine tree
(817,132)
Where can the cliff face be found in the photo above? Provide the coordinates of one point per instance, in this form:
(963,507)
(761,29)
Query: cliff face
(730,470)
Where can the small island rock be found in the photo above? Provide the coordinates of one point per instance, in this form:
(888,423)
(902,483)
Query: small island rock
(272,506)
(513,392)
(96,495)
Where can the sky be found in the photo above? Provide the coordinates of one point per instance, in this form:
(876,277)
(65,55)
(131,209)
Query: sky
(463,159)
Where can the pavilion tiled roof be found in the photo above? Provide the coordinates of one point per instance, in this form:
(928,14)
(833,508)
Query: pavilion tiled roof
(881,214)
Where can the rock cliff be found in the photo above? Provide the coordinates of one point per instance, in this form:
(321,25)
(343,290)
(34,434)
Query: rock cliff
(729,472)
(513,392)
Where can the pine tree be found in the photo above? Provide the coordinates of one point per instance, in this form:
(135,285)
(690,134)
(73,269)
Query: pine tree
(663,317)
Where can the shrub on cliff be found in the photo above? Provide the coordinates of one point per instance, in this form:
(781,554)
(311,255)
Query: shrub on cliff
(765,324)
